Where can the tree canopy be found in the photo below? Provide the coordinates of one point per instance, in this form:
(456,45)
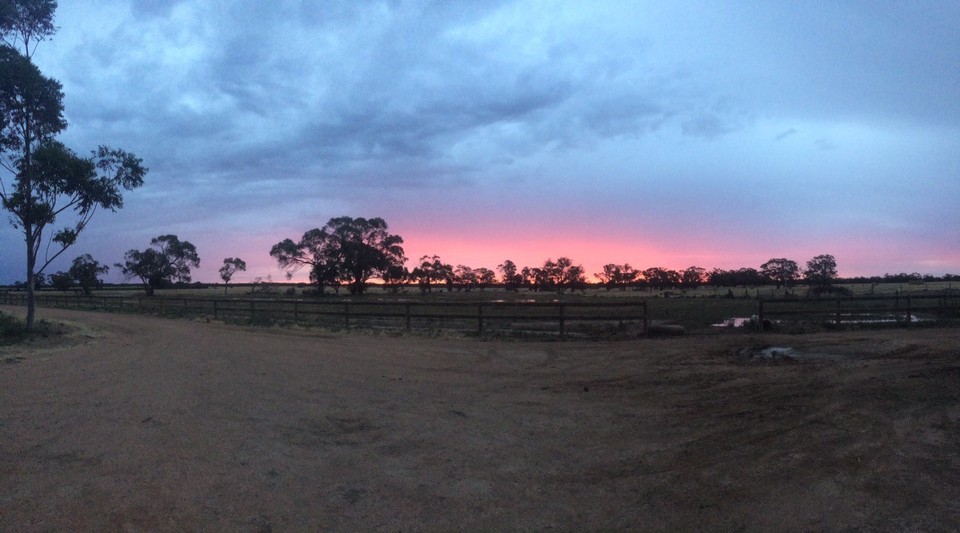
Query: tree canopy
(168,260)
(781,271)
(26,22)
(617,276)
(821,271)
(86,271)
(346,250)
(231,266)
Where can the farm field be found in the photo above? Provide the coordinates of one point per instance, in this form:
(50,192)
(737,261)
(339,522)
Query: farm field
(495,313)
(142,423)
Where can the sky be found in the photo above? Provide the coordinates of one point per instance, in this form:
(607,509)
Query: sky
(671,134)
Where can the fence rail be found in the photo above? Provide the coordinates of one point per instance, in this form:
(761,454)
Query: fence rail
(483,317)
(564,318)
(901,310)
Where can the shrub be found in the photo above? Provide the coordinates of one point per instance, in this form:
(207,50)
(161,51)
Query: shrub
(12,329)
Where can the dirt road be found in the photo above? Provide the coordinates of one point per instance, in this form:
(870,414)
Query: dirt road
(145,424)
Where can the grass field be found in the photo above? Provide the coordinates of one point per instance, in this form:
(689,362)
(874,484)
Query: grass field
(596,313)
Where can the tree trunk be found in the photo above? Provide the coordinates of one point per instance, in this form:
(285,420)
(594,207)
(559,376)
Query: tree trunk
(31,305)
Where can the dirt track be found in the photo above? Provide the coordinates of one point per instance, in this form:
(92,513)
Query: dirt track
(154,424)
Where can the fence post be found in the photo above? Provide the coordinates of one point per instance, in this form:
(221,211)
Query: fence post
(909,312)
(480,319)
(296,311)
(760,315)
(215,309)
(646,320)
(346,315)
(560,313)
(838,312)
(407,314)
(253,309)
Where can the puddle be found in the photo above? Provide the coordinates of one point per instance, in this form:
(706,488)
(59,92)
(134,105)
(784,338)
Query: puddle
(742,321)
(736,322)
(768,353)
(845,318)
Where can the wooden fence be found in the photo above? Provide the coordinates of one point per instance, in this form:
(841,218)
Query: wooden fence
(480,317)
(593,319)
(862,310)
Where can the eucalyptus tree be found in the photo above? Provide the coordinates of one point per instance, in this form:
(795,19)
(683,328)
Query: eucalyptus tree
(168,260)
(618,276)
(661,278)
(485,277)
(512,279)
(310,252)
(781,271)
(821,271)
(346,250)
(431,271)
(560,275)
(46,180)
(86,271)
(26,22)
(693,276)
(231,266)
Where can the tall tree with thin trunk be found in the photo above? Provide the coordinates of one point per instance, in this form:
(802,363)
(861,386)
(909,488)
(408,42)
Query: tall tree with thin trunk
(231,266)
(48,179)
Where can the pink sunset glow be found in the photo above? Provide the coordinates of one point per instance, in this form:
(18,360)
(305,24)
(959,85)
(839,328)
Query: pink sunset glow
(659,135)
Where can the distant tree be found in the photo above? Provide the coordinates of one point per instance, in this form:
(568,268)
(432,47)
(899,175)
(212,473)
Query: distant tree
(87,271)
(821,271)
(395,276)
(538,279)
(355,249)
(780,271)
(512,279)
(618,276)
(485,277)
(693,276)
(661,278)
(48,178)
(570,276)
(61,281)
(231,266)
(167,261)
(560,275)
(365,249)
(743,277)
(430,272)
(312,251)
(464,278)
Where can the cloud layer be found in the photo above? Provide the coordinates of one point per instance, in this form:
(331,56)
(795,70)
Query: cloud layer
(673,135)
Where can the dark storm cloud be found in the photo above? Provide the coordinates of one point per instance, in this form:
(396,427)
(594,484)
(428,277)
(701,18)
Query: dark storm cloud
(659,116)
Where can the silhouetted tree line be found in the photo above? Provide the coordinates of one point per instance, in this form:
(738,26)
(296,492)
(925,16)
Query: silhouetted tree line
(349,252)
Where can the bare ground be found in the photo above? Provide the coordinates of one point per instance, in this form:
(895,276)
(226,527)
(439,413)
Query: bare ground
(140,423)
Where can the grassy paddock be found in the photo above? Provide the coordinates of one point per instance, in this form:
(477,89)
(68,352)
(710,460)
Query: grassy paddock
(594,312)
